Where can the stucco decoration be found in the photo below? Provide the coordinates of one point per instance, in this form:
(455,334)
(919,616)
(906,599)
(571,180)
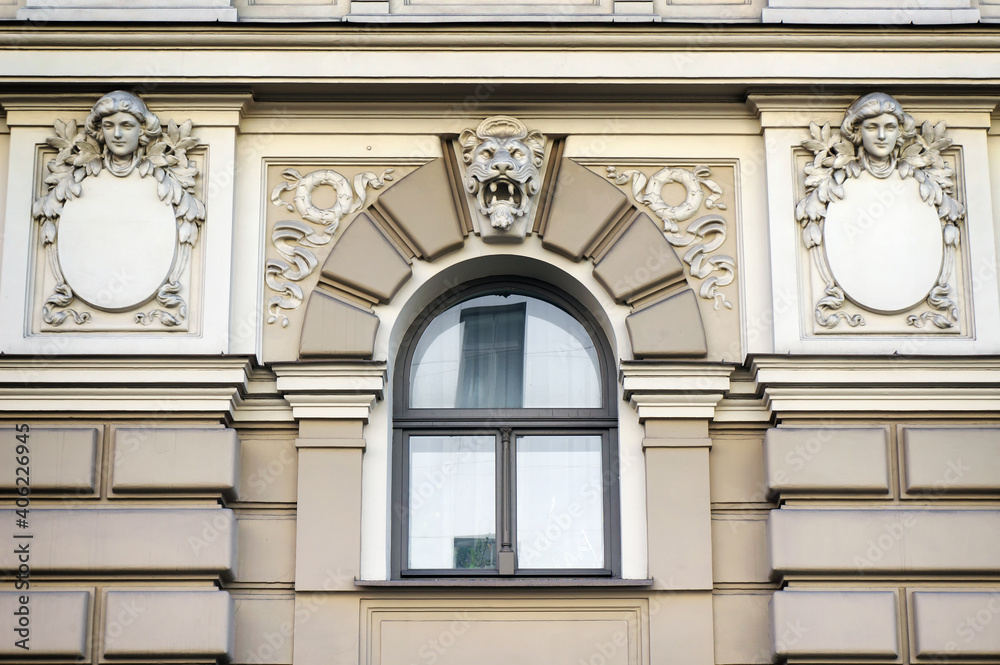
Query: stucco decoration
(504,160)
(702,236)
(295,240)
(879,217)
(119,216)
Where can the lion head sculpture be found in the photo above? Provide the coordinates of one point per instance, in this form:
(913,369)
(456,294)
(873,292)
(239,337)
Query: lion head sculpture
(503,158)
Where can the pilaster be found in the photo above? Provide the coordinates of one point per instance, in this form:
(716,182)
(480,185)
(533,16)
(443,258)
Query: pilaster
(331,402)
(675,403)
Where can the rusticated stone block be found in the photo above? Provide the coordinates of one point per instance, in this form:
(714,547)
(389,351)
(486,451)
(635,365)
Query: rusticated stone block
(196,624)
(826,460)
(171,541)
(859,542)
(956,624)
(61,460)
(834,624)
(423,206)
(583,205)
(58,623)
(176,460)
(940,460)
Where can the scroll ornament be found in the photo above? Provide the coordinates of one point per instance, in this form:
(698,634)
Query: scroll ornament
(295,240)
(120,136)
(702,236)
(877,137)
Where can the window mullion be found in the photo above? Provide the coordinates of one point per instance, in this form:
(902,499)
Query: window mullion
(505,558)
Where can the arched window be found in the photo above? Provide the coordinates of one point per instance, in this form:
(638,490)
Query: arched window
(505,438)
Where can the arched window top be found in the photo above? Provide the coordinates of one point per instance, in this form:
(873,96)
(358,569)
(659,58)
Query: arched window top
(506,351)
(505,344)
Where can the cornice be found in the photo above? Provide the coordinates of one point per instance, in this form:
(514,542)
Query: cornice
(115,384)
(506,38)
(125,371)
(868,370)
(168,401)
(208,109)
(277,60)
(815,385)
(331,378)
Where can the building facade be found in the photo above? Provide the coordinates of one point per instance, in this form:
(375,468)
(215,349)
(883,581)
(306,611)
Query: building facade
(594,332)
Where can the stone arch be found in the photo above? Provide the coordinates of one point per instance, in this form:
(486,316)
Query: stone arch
(581,216)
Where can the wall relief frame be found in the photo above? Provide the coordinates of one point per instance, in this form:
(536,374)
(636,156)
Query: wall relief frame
(118,215)
(881,220)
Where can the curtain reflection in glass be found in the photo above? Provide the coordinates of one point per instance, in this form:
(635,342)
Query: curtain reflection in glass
(452,502)
(476,353)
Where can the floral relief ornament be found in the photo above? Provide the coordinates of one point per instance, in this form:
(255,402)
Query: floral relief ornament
(295,240)
(123,139)
(879,141)
(702,237)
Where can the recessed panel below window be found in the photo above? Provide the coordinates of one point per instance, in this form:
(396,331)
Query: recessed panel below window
(560,502)
(452,502)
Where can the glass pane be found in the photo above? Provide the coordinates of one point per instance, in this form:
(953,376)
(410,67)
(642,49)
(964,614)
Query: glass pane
(452,502)
(509,351)
(560,502)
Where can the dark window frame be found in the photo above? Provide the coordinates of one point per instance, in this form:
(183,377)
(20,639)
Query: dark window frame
(409,421)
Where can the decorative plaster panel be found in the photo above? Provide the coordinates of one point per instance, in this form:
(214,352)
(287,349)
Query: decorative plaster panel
(881,224)
(889,220)
(554,631)
(120,203)
(295,241)
(309,201)
(701,237)
(119,216)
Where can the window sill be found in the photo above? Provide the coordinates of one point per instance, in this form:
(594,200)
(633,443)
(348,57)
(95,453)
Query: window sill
(506,582)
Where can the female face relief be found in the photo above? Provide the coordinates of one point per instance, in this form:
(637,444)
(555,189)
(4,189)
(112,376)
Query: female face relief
(879,135)
(121,134)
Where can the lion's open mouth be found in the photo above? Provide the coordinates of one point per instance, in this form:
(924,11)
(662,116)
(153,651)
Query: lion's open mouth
(501,191)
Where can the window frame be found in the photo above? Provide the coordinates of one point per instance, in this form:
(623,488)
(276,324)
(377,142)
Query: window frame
(408,422)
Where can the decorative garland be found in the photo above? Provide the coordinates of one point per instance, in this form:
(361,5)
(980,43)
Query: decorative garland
(80,157)
(704,235)
(835,159)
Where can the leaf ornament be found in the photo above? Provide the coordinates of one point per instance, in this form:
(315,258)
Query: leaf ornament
(79,156)
(835,159)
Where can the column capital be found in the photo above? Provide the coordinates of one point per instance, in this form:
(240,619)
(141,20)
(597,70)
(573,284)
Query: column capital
(335,391)
(675,389)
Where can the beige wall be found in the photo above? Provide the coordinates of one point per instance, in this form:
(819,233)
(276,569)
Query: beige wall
(222,495)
